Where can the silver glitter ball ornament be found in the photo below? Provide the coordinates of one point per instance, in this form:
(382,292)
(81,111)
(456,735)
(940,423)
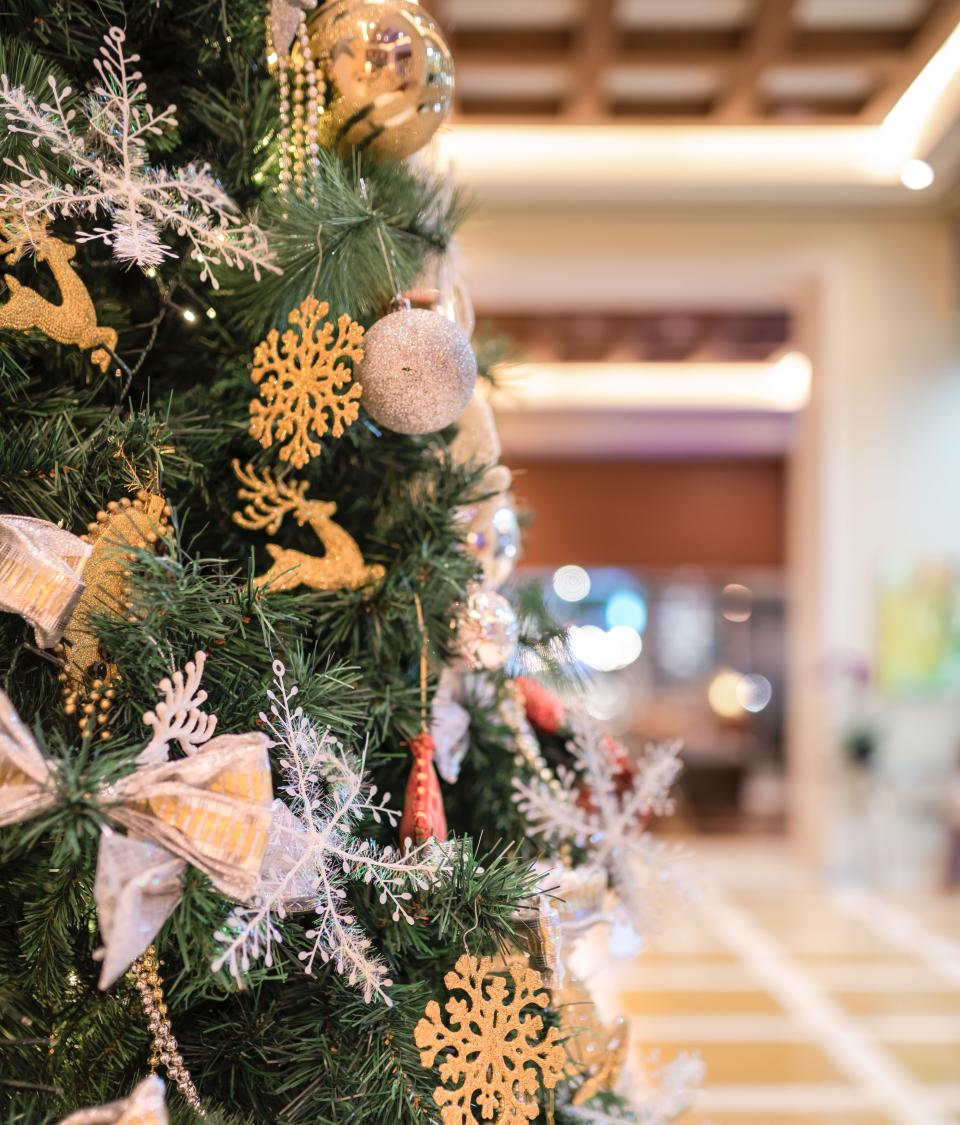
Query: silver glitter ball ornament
(487,629)
(418,372)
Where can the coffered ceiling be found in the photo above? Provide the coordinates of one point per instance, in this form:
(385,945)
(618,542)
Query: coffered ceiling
(735,62)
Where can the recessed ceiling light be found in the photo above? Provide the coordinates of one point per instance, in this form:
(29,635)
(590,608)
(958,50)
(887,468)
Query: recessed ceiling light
(916,175)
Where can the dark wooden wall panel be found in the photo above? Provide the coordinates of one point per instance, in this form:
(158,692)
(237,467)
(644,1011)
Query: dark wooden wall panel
(663,514)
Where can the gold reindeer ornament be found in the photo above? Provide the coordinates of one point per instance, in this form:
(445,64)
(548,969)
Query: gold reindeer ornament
(342,566)
(72,322)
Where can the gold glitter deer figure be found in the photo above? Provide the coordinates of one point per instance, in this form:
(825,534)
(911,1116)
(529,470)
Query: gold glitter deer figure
(72,322)
(342,567)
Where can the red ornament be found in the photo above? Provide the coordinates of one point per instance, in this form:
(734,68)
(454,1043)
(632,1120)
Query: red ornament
(423,815)
(544,710)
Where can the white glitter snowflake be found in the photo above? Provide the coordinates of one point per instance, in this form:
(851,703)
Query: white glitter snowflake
(105,149)
(588,811)
(313,854)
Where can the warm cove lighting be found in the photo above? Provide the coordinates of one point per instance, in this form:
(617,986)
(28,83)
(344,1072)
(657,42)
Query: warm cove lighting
(780,387)
(902,130)
(618,156)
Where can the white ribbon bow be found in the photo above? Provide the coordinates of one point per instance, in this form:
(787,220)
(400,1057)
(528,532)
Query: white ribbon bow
(40,568)
(212,809)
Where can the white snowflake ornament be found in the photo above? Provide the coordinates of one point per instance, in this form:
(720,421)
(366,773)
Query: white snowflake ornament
(587,810)
(313,853)
(177,717)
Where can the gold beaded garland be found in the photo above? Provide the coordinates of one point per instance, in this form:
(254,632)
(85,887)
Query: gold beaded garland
(524,740)
(145,974)
(299,110)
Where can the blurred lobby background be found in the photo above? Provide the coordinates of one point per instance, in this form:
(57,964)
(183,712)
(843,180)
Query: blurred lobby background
(723,237)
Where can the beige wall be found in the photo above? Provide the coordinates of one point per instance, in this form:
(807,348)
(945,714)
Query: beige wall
(876,471)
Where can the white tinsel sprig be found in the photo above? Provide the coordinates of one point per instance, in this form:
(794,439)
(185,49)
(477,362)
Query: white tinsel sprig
(314,853)
(105,149)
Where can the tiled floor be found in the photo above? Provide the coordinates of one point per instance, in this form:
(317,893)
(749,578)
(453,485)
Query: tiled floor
(809,1006)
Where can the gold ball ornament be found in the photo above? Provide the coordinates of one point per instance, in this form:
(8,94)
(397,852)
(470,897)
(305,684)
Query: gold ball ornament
(389,75)
(418,373)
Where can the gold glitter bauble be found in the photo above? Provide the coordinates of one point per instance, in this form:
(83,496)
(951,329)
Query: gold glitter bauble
(74,321)
(341,567)
(493,1050)
(419,372)
(305,380)
(388,74)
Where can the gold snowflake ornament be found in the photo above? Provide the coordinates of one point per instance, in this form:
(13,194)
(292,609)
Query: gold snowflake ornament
(306,382)
(493,1048)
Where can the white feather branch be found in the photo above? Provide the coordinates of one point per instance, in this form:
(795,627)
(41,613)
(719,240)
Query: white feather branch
(106,150)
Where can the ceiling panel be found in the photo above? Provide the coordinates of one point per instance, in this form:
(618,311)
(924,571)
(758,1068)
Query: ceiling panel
(848,14)
(695,14)
(466,14)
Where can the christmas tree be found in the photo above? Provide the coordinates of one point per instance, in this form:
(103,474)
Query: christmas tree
(251,533)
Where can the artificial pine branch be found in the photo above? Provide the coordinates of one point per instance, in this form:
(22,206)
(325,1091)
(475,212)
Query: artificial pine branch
(328,241)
